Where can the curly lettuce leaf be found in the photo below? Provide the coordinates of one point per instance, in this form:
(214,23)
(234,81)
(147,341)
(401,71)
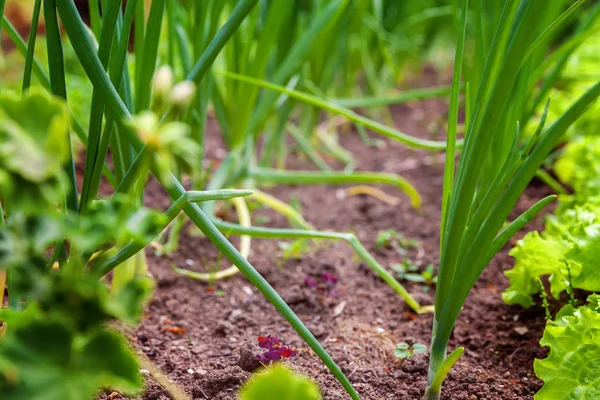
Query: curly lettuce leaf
(535,256)
(572,369)
(566,250)
(579,166)
(583,259)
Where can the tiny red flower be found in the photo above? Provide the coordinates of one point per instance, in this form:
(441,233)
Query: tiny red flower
(268,342)
(287,352)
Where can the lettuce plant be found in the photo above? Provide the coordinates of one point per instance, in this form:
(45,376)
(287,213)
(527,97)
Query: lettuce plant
(572,368)
(566,250)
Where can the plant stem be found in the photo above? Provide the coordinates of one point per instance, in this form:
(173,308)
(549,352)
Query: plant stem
(58,85)
(2,4)
(336,178)
(31,44)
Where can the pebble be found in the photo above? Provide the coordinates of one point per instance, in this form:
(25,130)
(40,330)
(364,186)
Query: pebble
(380,329)
(191,371)
(247,290)
(223,328)
(294,295)
(143,339)
(189,262)
(521,330)
(145,372)
(151,353)
(236,316)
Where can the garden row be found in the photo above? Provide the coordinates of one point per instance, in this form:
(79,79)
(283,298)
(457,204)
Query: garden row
(73,260)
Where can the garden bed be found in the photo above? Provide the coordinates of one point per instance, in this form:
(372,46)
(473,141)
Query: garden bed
(212,357)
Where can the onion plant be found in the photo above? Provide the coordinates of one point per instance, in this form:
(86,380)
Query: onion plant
(499,158)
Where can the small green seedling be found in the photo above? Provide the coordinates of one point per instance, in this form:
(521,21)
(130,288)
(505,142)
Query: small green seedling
(409,271)
(394,239)
(404,350)
(295,249)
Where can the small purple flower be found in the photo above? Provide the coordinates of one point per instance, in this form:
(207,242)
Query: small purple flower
(268,342)
(275,350)
(310,281)
(329,278)
(267,357)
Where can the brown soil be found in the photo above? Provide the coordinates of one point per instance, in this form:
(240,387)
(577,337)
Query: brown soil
(213,357)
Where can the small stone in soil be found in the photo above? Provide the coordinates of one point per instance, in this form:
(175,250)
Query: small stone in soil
(236,316)
(142,339)
(223,328)
(248,290)
(521,330)
(294,295)
(151,354)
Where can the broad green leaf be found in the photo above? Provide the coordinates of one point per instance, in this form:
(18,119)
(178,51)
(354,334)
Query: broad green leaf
(33,148)
(280,383)
(572,369)
(114,220)
(583,259)
(128,303)
(41,359)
